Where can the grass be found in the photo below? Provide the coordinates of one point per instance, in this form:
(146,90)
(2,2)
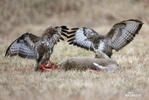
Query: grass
(19,81)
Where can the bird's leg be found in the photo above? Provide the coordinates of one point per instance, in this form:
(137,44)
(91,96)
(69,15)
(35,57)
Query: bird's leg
(97,51)
(37,66)
(45,58)
(105,56)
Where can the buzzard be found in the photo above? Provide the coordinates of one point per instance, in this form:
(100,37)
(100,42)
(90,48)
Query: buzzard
(119,36)
(33,47)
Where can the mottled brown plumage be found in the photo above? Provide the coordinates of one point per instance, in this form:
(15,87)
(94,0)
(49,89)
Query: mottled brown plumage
(34,47)
(119,36)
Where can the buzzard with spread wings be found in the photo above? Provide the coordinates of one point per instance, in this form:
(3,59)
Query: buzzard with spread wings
(33,47)
(119,36)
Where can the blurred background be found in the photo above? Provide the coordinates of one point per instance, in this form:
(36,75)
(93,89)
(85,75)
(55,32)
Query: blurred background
(18,16)
(18,80)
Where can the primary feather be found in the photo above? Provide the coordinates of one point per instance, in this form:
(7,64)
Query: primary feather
(119,36)
(34,47)
(123,33)
(22,47)
(81,39)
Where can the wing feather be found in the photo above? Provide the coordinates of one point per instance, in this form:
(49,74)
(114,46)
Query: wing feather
(23,46)
(77,37)
(123,33)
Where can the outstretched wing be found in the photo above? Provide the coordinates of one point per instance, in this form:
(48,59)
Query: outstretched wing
(78,37)
(123,33)
(23,46)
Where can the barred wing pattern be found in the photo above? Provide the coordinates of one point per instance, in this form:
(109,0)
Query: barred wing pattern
(123,33)
(23,46)
(78,38)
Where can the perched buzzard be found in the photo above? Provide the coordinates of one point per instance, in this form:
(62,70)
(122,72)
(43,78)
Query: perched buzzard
(34,47)
(120,35)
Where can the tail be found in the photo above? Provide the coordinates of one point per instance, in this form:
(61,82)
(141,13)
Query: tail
(69,33)
(65,31)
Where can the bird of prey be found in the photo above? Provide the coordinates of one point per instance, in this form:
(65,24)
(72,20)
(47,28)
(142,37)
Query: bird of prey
(119,36)
(33,47)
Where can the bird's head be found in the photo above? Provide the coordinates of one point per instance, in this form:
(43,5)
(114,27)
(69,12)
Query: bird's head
(90,34)
(50,31)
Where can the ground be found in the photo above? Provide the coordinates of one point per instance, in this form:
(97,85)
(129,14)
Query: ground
(19,81)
